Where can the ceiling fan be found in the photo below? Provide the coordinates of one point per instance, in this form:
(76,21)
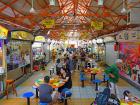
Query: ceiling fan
(33,11)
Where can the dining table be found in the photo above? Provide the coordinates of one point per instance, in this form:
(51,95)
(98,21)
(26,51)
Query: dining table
(54,83)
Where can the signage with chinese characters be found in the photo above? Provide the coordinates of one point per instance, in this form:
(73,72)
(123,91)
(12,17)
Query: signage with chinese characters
(128,36)
(23,35)
(48,23)
(3,32)
(97,25)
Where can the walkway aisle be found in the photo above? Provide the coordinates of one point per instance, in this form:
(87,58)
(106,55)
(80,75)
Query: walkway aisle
(81,96)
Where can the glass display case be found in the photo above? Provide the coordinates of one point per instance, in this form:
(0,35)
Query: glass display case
(17,55)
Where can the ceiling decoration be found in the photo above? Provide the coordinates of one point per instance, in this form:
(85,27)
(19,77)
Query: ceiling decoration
(67,15)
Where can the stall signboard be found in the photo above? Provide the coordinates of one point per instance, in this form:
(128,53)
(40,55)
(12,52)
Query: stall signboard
(3,32)
(97,25)
(128,36)
(22,35)
(48,23)
(40,39)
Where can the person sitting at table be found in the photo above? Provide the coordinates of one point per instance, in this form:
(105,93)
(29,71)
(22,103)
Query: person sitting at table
(66,76)
(46,94)
(129,97)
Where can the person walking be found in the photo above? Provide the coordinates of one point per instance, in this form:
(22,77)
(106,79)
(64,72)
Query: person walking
(113,73)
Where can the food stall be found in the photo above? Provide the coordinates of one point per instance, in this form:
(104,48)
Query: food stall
(129,52)
(38,51)
(3,37)
(19,54)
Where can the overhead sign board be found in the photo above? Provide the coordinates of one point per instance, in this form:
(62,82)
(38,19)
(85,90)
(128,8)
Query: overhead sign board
(22,35)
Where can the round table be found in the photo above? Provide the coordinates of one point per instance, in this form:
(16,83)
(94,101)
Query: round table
(54,84)
(92,72)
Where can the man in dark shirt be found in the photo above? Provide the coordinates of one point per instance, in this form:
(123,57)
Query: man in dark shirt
(46,94)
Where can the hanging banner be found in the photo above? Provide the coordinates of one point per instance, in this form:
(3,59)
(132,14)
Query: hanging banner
(48,23)
(40,39)
(3,32)
(97,25)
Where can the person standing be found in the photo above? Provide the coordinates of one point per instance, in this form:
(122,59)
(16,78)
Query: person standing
(113,73)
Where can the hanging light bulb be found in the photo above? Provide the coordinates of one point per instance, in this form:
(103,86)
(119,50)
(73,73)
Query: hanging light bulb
(32,10)
(52,2)
(123,9)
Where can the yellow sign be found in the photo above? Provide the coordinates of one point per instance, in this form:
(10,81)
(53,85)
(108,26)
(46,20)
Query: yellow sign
(48,23)
(3,32)
(23,35)
(97,25)
(40,38)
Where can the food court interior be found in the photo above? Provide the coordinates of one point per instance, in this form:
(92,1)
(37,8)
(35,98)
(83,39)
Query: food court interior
(69,52)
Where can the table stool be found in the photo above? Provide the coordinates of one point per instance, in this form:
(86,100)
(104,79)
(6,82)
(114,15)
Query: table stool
(8,83)
(93,76)
(66,93)
(96,81)
(51,71)
(82,80)
(28,95)
(40,103)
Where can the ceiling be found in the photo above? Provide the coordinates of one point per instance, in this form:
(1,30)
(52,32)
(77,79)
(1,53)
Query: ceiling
(69,15)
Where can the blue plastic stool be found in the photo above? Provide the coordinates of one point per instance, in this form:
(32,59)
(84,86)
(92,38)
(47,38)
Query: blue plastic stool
(28,95)
(96,81)
(82,79)
(40,103)
(66,93)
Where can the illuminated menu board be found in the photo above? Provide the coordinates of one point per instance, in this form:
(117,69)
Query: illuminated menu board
(3,32)
(23,35)
(40,39)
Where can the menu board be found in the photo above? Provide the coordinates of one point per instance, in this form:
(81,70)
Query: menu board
(3,32)
(40,39)
(23,35)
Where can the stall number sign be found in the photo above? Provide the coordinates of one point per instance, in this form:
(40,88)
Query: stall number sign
(48,23)
(3,32)
(97,25)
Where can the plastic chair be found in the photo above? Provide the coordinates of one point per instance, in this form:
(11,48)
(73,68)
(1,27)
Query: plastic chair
(28,95)
(97,82)
(66,93)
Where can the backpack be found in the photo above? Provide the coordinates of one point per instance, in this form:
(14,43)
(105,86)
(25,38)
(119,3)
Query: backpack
(103,97)
(113,100)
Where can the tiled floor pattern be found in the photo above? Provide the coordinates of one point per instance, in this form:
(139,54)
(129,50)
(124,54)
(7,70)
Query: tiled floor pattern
(81,96)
